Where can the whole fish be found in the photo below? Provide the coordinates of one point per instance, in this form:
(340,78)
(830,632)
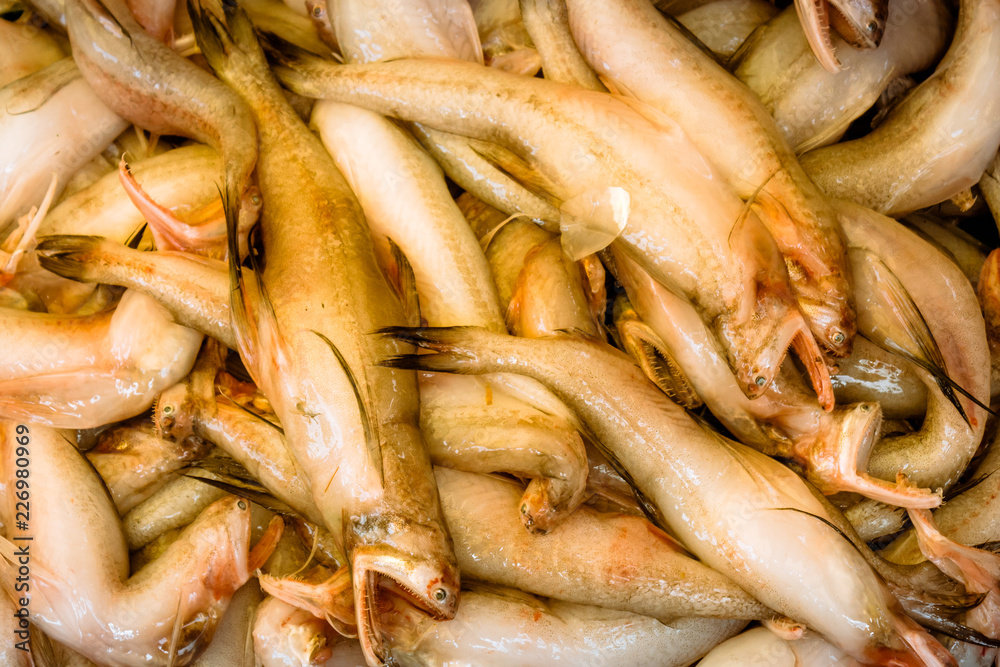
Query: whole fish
(935,143)
(87,371)
(523,630)
(733,274)
(918,300)
(813,107)
(738,510)
(351,427)
(81,592)
(648,58)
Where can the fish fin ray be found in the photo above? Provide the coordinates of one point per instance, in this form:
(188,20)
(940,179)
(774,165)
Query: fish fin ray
(372,436)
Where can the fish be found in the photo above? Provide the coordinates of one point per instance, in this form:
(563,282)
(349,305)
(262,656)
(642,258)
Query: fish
(988,292)
(173,507)
(155,16)
(352,428)
(609,560)
(748,279)
(547,22)
(549,632)
(476,427)
(25,48)
(229,645)
(146,82)
(285,635)
(875,375)
(36,159)
(860,22)
(416,29)
(194,288)
(724,25)
(813,107)
(505,42)
(645,57)
(89,370)
(168,612)
(832,447)
(935,142)
(760,647)
(920,313)
(717,496)
(134,463)
(193,408)
(967,518)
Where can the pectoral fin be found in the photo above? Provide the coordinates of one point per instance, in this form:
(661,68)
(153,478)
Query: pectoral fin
(591,220)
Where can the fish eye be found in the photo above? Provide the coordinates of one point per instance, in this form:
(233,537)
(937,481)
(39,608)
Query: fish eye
(872,25)
(838,337)
(242,505)
(168,410)
(761,380)
(318,12)
(440,595)
(866,408)
(256,198)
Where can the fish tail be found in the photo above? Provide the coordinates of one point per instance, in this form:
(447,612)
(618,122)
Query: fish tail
(227,39)
(459,349)
(78,258)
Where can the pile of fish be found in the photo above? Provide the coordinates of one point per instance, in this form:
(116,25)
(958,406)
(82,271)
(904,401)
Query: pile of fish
(486,332)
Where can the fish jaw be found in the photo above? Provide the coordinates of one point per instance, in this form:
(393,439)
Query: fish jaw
(837,457)
(816,25)
(428,589)
(861,24)
(759,344)
(833,326)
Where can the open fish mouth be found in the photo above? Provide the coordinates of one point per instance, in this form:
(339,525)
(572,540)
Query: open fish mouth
(380,594)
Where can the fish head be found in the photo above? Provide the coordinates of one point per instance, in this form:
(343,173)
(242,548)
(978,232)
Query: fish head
(860,22)
(832,322)
(172,414)
(416,564)
(757,345)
